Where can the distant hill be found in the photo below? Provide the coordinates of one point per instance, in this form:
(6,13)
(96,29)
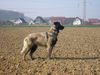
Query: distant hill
(9,15)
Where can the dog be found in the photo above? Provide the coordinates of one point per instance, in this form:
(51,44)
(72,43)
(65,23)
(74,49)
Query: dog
(44,39)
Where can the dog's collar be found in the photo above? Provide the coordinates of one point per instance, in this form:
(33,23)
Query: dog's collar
(56,30)
(52,33)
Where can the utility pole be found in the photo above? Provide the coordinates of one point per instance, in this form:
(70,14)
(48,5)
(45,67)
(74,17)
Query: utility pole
(84,10)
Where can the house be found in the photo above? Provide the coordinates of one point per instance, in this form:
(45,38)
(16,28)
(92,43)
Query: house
(48,20)
(18,21)
(59,19)
(40,20)
(94,20)
(2,22)
(73,21)
(77,21)
(31,22)
(69,21)
(63,20)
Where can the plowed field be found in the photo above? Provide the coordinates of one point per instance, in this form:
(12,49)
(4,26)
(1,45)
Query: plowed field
(77,52)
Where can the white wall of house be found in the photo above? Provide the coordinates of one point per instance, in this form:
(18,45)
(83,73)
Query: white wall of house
(18,21)
(77,22)
(31,23)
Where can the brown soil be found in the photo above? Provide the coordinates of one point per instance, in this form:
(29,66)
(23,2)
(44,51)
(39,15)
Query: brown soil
(77,52)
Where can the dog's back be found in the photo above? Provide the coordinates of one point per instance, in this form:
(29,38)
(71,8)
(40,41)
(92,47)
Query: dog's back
(38,38)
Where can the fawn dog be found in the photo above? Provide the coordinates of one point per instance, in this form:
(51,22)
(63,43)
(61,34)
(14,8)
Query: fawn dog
(45,39)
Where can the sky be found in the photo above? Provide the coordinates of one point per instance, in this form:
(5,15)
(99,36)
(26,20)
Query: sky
(48,8)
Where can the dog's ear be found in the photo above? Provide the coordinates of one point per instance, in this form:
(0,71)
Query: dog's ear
(56,23)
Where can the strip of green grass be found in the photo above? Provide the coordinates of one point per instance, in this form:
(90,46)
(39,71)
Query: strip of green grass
(26,26)
(82,25)
(49,26)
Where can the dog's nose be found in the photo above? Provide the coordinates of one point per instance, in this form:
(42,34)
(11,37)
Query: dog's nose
(63,27)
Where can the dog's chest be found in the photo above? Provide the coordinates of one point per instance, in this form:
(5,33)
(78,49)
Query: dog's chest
(44,34)
(54,41)
(53,38)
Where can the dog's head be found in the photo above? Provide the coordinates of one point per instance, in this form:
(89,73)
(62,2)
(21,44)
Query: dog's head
(58,26)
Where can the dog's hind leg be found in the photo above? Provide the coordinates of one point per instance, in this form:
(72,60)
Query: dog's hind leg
(24,51)
(33,49)
(26,48)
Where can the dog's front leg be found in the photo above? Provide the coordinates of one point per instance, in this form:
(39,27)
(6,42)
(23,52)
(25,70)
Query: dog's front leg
(49,49)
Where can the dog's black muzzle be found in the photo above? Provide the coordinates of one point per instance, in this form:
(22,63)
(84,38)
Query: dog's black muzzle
(61,27)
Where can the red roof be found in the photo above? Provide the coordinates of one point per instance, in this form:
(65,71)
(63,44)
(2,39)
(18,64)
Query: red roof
(94,20)
(60,19)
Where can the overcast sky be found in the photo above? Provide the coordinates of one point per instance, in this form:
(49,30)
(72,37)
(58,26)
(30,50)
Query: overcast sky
(47,8)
